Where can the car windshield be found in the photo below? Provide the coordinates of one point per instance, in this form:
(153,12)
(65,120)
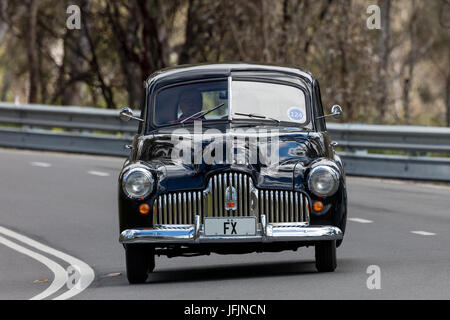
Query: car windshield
(249,100)
(270,100)
(186,102)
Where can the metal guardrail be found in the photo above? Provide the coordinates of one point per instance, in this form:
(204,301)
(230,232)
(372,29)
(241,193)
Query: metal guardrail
(67,117)
(417,142)
(100,131)
(382,137)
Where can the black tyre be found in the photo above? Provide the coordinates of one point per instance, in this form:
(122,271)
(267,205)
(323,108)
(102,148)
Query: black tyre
(140,261)
(326,256)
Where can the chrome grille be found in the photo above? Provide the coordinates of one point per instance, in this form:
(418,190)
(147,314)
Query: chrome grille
(278,206)
(283,206)
(178,208)
(214,195)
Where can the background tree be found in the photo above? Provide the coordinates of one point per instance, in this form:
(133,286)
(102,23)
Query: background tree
(398,74)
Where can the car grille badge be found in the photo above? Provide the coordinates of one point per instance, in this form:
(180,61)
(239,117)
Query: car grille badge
(230,198)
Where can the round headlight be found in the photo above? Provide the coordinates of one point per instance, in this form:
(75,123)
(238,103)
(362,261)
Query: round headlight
(323,181)
(137,183)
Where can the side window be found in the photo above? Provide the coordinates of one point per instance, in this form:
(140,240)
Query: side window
(321,123)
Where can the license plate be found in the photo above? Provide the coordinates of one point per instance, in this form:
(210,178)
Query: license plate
(230,226)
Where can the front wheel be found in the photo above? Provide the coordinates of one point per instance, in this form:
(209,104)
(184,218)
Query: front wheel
(326,256)
(140,261)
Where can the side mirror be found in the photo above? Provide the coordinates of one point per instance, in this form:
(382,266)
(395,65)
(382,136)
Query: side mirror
(336,112)
(126,114)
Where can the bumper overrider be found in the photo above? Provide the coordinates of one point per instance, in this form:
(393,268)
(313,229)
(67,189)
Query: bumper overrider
(266,233)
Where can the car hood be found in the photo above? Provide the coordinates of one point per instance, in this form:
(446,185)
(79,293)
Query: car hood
(293,149)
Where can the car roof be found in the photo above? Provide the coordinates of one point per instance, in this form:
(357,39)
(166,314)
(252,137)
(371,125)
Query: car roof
(225,68)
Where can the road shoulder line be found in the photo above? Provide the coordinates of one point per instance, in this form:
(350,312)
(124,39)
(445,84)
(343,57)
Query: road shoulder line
(60,275)
(85,272)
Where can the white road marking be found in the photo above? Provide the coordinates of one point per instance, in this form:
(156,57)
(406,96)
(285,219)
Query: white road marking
(360,220)
(99,173)
(41,164)
(86,274)
(424,233)
(59,272)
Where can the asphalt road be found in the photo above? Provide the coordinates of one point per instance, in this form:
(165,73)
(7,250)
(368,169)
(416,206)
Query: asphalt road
(65,207)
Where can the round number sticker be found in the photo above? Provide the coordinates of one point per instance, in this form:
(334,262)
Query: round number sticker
(295,114)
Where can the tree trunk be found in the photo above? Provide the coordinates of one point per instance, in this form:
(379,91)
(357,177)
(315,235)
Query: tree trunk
(126,40)
(33,66)
(342,34)
(447,99)
(6,84)
(4,27)
(153,58)
(264,17)
(189,34)
(94,61)
(408,82)
(384,52)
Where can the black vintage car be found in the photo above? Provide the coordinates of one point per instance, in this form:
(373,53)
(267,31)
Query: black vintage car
(230,158)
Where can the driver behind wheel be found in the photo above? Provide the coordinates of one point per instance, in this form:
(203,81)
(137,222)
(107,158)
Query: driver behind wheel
(190,103)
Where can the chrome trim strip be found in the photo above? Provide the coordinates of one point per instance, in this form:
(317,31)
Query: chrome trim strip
(221,206)
(234,184)
(191,234)
(263,225)
(215,194)
(180,209)
(253,199)
(197,226)
(184,204)
(229,98)
(306,211)
(245,190)
(165,207)
(277,206)
(199,204)
(292,216)
(240,195)
(170,209)
(195,212)
(265,201)
(282,209)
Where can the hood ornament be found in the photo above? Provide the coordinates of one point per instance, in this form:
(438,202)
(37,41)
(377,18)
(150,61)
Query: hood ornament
(231,199)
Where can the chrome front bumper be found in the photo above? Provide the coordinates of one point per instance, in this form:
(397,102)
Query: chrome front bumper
(266,233)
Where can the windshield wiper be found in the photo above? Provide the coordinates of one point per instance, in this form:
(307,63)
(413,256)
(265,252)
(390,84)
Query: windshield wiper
(202,113)
(254,115)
